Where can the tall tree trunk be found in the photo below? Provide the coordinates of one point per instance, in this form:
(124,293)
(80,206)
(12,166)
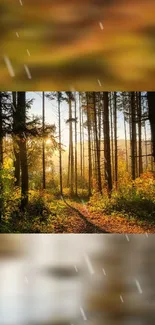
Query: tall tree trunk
(89,144)
(76,190)
(16,139)
(133,137)
(92,150)
(126,142)
(43,148)
(68,176)
(146,153)
(81,162)
(60,152)
(107,158)
(95,151)
(115,139)
(145,138)
(151,105)
(112,140)
(126,146)
(83,151)
(21,108)
(136,143)
(71,147)
(99,184)
(139,113)
(99,125)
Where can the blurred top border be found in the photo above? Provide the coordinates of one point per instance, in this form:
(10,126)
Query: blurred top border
(77,45)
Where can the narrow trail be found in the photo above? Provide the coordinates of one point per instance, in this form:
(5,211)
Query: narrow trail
(89,226)
(81,220)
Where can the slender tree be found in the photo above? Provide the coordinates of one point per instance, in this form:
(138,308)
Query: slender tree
(99,124)
(99,184)
(115,139)
(80,119)
(151,105)
(70,120)
(76,185)
(125,133)
(83,150)
(93,149)
(69,162)
(21,108)
(16,122)
(112,138)
(133,137)
(139,113)
(107,158)
(60,151)
(89,143)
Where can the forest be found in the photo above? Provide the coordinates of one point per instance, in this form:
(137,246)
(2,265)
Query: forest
(82,163)
(42,48)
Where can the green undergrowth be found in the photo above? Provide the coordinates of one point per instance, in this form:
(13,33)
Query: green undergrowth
(44,214)
(136,200)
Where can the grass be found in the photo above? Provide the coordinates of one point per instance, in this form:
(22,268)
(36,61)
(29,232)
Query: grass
(48,213)
(136,200)
(44,214)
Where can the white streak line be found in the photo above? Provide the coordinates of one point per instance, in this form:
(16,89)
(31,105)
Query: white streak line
(76,268)
(27,71)
(138,287)
(24,135)
(17,34)
(89,264)
(99,82)
(14,109)
(28,52)
(127,237)
(20,1)
(104,271)
(121,299)
(26,279)
(83,313)
(9,66)
(101,25)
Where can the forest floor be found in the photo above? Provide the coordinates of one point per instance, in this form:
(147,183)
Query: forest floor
(47,214)
(82,220)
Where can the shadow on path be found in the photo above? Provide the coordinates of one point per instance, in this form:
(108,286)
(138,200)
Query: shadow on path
(91,228)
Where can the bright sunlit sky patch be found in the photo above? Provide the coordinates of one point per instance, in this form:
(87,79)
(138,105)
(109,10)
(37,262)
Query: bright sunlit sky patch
(51,116)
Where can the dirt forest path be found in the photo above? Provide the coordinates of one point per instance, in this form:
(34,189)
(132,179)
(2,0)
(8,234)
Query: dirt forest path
(81,220)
